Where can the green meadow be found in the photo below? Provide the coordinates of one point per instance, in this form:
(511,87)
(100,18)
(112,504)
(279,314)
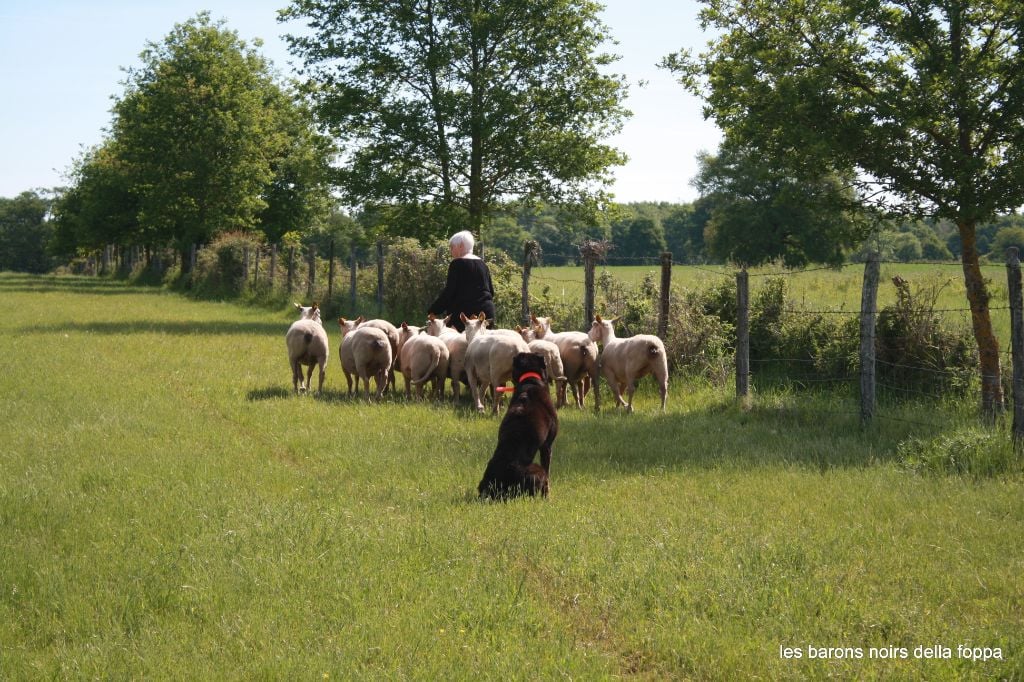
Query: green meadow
(169,510)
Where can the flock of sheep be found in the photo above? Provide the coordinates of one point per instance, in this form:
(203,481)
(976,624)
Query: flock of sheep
(479,356)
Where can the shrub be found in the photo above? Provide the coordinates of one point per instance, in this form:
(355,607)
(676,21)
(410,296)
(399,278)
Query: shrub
(916,347)
(415,275)
(220,267)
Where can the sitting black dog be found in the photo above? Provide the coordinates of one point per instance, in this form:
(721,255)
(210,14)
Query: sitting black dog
(530,424)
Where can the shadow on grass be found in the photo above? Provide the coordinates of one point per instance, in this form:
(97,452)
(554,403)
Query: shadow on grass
(182,328)
(70,284)
(722,435)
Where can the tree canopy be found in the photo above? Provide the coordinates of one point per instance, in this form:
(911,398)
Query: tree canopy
(923,99)
(446,107)
(762,212)
(203,140)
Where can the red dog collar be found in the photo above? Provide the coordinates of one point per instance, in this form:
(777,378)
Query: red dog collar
(530,375)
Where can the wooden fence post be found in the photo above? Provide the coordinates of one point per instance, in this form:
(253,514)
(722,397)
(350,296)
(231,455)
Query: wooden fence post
(291,269)
(530,251)
(1016,343)
(311,280)
(353,273)
(330,272)
(868,316)
(742,335)
(380,278)
(256,267)
(273,265)
(666,288)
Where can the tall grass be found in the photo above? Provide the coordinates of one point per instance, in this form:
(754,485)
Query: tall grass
(169,510)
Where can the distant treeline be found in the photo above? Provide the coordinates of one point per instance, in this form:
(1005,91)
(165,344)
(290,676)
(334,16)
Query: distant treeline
(638,233)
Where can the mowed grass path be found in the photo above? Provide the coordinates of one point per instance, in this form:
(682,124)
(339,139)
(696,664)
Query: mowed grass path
(168,510)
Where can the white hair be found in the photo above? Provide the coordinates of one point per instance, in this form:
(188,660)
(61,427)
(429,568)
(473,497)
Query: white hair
(464,239)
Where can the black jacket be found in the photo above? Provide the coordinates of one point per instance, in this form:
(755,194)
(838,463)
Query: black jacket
(468,290)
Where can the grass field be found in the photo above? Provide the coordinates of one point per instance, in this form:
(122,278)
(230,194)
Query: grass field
(168,510)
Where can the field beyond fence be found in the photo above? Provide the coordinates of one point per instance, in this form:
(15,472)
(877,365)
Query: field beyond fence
(168,509)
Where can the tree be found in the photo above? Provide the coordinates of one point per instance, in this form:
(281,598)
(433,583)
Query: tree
(210,141)
(763,211)
(462,104)
(100,207)
(25,233)
(1007,237)
(922,98)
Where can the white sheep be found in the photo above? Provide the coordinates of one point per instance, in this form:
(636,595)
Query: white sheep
(307,344)
(365,352)
(392,334)
(552,360)
(457,344)
(624,361)
(489,358)
(423,358)
(579,358)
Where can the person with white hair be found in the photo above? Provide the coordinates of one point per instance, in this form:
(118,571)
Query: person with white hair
(468,288)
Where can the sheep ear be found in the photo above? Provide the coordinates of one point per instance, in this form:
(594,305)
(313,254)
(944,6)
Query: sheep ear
(298,307)
(430,317)
(405,326)
(341,321)
(533,318)
(447,319)
(316,306)
(462,316)
(360,319)
(597,318)
(482,316)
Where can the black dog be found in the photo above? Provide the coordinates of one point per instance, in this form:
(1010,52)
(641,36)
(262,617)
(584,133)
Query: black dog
(530,424)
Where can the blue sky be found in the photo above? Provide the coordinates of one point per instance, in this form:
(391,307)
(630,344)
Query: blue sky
(61,63)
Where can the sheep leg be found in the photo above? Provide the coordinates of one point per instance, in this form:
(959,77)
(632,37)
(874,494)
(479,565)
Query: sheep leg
(323,374)
(309,377)
(630,389)
(296,376)
(474,390)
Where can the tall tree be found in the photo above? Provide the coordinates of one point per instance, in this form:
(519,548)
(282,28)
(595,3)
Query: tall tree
(100,206)
(204,131)
(763,211)
(25,233)
(460,104)
(924,98)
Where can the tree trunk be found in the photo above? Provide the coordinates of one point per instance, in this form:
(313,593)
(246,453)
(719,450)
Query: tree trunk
(981,323)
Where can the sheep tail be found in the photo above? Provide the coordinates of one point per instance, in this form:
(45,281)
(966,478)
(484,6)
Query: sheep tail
(308,336)
(653,350)
(434,361)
